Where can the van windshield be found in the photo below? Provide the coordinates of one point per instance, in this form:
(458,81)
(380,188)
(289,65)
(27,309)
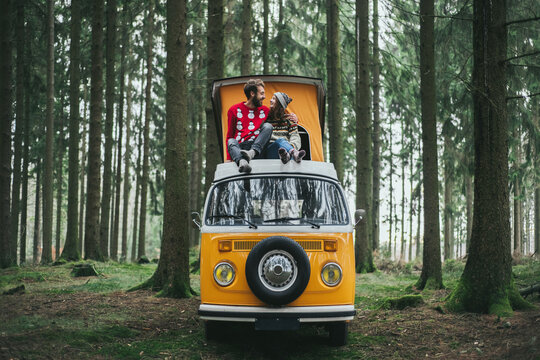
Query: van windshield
(277,200)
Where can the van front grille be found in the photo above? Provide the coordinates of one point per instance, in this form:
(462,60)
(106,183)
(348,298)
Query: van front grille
(247,245)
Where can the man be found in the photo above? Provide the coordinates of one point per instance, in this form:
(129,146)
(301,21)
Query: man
(248,132)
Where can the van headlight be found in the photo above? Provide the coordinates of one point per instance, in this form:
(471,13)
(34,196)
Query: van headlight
(224,274)
(331,274)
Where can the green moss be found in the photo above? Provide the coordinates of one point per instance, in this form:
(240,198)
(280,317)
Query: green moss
(401,303)
(500,303)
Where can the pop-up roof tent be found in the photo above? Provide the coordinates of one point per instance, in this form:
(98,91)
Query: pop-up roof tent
(308,104)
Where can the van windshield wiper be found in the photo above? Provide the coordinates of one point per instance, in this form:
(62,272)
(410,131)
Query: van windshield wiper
(251,225)
(314,225)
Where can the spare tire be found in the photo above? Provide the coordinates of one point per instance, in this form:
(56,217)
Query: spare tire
(277,270)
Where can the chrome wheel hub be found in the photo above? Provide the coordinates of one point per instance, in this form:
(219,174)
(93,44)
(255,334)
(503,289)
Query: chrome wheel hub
(277,270)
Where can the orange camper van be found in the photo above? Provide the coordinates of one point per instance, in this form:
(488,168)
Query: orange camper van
(277,243)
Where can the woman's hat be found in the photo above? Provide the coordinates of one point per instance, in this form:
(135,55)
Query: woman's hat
(283,99)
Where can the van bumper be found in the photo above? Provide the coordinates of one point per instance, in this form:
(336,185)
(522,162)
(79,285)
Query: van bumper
(303,314)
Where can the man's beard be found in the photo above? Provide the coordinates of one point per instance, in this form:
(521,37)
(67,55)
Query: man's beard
(256,102)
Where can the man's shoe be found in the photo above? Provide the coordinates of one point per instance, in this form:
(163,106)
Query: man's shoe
(243,166)
(248,155)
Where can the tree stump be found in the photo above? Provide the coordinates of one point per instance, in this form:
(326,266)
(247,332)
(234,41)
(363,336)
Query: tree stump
(80,270)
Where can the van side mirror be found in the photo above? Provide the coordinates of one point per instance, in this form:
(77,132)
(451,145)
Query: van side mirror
(359,215)
(196,220)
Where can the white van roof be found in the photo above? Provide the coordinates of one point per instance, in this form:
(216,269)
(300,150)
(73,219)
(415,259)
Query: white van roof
(259,167)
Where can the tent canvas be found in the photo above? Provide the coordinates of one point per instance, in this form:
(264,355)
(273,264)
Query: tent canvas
(308,104)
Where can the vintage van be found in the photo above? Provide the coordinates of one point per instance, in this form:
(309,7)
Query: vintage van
(277,246)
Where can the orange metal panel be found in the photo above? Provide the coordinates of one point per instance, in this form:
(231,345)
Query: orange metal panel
(304,105)
(239,293)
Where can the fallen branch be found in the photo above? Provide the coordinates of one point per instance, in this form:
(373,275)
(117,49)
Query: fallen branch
(530,290)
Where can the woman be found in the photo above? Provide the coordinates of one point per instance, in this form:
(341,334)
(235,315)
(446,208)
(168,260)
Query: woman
(285,141)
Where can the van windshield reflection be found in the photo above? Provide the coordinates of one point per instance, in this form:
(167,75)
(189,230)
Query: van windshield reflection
(268,200)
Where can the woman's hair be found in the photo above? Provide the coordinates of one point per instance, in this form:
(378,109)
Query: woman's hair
(277,112)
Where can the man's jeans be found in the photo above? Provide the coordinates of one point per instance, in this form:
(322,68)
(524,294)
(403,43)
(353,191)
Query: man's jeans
(258,144)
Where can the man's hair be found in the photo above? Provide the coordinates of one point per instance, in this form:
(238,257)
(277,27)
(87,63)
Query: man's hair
(252,85)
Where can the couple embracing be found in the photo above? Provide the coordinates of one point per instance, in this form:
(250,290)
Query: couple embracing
(255,131)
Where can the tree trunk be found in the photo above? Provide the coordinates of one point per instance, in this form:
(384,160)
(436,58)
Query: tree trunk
(215,63)
(411,203)
(264,50)
(537,184)
(376,130)
(120,117)
(279,39)
(448,212)
(469,199)
(71,252)
(59,180)
(37,216)
(5,135)
(127,164)
(92,248)
(391,191)
(46,256)
(431,276)
(364,187)
(335,107)
(419,219)
(113,247)
(146,131)
(19,124)
(486,285)
(245,67)
(402,220)
(84,161)
(518,205)
(108,130)
(172,273)
(26,155)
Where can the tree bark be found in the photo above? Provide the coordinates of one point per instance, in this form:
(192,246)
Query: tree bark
(469,199)
(364,187)
(108,130)
(5,134)
(431,276)
(215,64)
(402,220)
(26,154)
(264,50)
(84,161)
(448,188)
(172,274)
(127,163)
(146,131)
(245,67)
(120,117)
(46,256)
(37,216)
(19,124)
(518,205)
(92,247)
(335,106)
(59,179)
(376,130)
(486,285)
(71,252)
(537,182)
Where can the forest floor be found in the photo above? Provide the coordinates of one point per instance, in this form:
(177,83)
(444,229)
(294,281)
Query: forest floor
(58,316)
